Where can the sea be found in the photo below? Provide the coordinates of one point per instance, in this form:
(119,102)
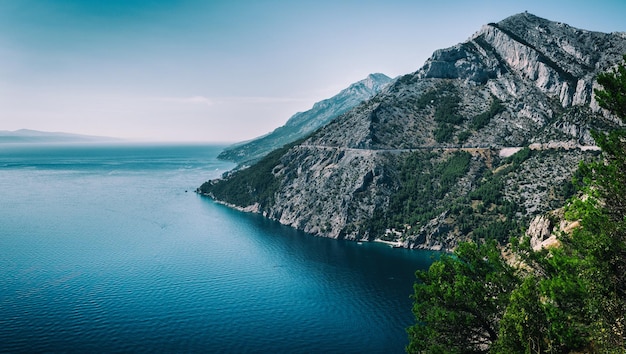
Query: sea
(107,248)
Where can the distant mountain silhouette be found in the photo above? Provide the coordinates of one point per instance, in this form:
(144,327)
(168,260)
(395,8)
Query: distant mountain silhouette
(304,123)
(36,136)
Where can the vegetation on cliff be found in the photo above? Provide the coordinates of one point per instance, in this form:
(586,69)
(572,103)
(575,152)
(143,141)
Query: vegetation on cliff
(379,169)
(249,186)
(570,298)
(467,193)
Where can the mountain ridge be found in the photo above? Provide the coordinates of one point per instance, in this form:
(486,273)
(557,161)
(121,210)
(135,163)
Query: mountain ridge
(37,136)
(304,123)
(420,165)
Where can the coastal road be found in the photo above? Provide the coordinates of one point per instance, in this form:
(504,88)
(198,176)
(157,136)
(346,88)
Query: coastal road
(504,151)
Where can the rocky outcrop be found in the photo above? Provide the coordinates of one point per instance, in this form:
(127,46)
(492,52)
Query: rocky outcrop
(540,231)
(524,81)
(354,183)
(560,60)
(303,123)
(544,229)
(430,235)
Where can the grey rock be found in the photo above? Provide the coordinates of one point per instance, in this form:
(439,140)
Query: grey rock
(542,72)
(539,230)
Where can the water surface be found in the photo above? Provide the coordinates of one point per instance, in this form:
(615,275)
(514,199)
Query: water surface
(106,248)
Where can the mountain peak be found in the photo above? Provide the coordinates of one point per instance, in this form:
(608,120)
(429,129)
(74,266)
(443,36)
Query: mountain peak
(378,76)
(560,60)
(531,23)
(524,16)
(373,81)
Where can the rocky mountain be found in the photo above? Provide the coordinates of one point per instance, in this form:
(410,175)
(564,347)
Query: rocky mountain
(304,123)
(485,136)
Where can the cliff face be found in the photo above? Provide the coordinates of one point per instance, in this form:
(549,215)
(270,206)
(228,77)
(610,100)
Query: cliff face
(304,123)
(424,163)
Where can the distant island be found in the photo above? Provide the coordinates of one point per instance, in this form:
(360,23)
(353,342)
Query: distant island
(35,136)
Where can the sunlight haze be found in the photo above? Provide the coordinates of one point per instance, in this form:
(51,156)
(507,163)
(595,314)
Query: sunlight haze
(195,70)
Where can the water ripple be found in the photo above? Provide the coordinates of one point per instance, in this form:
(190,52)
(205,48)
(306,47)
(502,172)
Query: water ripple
(102,251)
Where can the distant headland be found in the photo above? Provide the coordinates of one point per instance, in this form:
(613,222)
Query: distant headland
(36,136)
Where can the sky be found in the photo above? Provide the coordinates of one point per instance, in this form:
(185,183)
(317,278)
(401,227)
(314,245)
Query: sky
(225,71)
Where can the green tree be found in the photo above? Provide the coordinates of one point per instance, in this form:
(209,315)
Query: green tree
(609,176)
(601,242)
(524,325)
(460,300)
(613,94)
(546,313)
(575,299)
(481,120)
(572,298)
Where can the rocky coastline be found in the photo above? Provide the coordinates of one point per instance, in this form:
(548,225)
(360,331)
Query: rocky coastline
(481,140)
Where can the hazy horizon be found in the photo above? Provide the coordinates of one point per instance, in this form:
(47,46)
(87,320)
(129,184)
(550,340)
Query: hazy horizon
(223,71)
(31,136)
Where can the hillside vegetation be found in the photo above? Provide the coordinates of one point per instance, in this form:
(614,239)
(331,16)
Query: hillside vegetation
(425,163)
(566,298)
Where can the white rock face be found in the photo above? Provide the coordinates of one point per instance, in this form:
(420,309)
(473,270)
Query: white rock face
(561,61)
(539,230)
(583,93)
(521,58)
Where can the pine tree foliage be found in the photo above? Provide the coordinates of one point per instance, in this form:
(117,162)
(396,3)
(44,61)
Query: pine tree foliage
(613,95)
(567,299)
(460,299)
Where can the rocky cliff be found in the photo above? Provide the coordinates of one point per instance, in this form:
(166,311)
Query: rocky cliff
(304,123)
(426,162)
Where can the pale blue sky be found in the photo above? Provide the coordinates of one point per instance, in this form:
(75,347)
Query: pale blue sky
(206,70)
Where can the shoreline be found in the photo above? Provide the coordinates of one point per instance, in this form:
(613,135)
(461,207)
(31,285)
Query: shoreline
(254,209)
(393,244)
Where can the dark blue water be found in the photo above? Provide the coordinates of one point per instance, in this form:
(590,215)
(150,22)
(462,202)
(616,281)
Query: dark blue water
(106,249)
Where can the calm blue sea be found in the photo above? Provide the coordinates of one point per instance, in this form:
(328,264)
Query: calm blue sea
(105,248)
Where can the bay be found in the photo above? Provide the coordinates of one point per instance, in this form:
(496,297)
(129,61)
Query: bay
(105,248)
